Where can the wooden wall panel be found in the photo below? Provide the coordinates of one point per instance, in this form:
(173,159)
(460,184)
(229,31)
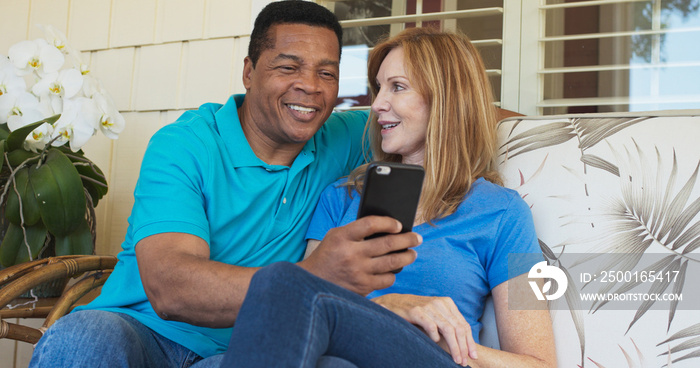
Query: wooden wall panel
(226,18)
(115,68)
(207,71)
(14,16)
(181,20)
(88,27)
(133,22)
(157,76)
(44,12)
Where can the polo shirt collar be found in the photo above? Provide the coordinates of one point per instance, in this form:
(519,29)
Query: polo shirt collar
(228,124)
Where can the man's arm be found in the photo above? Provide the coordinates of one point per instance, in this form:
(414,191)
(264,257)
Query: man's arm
(183,284)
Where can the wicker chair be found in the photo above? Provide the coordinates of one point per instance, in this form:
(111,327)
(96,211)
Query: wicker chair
(19,279)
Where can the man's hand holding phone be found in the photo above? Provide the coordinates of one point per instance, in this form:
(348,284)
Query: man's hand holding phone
(346,258)
(364,255)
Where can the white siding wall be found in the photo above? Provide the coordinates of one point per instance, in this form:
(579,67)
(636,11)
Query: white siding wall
(156,58)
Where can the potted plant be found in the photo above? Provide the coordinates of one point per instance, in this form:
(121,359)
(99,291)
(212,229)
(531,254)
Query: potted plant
(50,106)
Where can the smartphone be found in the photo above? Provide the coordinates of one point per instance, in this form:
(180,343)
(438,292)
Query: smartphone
(393,190)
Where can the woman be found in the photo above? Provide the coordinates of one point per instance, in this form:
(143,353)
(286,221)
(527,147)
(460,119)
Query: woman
(432,106)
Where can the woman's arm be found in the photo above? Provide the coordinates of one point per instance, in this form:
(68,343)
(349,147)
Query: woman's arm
(525,336)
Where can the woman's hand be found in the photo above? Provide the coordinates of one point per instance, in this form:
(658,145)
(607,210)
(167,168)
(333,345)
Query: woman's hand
(440,320)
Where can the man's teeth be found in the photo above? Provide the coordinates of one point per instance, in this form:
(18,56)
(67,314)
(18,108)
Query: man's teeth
(305,110)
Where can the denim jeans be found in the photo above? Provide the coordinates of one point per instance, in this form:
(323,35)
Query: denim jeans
(291,318)
(94,338)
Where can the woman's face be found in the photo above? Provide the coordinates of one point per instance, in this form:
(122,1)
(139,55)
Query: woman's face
(401,110)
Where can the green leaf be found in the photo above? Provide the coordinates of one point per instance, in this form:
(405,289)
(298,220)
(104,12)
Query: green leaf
(2,153)
(77,242)
(4,131)
(93,178)
(59,193)
(30,208)
(18,156)
(13,250)
(16,139)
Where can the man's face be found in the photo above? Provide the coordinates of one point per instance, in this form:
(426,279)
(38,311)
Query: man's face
(293,87)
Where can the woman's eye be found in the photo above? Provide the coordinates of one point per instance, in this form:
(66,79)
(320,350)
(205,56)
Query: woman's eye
(398,87)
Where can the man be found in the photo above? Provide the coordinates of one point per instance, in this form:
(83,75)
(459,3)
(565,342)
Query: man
(225,190)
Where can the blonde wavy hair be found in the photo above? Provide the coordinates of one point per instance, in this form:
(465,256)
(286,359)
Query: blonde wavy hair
(461,143)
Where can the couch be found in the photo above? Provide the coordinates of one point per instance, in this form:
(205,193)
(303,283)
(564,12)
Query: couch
(615,203)
(605,189)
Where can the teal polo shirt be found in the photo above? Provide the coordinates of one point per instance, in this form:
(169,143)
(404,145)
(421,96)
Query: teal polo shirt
(200,176)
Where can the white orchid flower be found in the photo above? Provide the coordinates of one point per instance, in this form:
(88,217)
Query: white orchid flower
(58,40)
(54,36)
(50,105)
(77,123)
(65,84)
(19,109)
(37,55)
(111,121)
(91,86)
(77,60)
(39,137)
(10,82)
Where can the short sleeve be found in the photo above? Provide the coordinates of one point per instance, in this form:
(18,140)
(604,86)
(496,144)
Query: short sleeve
(169,193)
(330,210)
(517,248)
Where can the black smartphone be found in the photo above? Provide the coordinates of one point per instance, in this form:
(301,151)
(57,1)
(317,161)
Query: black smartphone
(393,190)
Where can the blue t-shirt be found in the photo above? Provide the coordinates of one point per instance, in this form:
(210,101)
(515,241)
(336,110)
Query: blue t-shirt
(463,256)
(200,176)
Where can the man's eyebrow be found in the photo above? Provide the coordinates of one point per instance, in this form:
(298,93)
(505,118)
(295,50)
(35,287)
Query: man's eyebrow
(300,60)
(288,57)
(327,62)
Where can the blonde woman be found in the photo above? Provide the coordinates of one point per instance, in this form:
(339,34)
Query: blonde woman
(432,106)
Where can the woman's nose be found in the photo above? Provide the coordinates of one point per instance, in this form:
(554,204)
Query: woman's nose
(380,103)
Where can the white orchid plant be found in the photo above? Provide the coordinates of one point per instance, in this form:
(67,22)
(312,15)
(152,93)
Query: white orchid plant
(50,107)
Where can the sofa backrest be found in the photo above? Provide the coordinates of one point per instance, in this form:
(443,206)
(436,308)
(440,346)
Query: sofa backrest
(616,206)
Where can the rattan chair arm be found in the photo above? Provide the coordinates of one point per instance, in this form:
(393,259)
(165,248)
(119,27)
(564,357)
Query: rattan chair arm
(73,294)
(64,268)
(27,312)
(14,272)
(18,332)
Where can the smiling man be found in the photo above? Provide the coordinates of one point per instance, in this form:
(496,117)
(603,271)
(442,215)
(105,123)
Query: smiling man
(227,189)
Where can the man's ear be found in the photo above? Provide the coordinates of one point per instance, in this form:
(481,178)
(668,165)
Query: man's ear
(248,69)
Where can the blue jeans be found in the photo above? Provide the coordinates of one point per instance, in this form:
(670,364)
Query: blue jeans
(291,318)
(94,338)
